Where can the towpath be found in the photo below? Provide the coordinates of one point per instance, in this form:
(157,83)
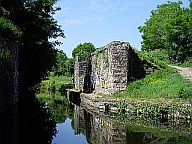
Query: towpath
(185,72)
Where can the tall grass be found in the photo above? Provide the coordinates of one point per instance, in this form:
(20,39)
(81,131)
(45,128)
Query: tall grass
(164,83)
(54,85)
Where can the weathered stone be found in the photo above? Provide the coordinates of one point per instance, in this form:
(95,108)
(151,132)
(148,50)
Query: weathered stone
(109,69)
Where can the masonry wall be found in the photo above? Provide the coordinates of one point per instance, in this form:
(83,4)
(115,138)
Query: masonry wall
(80,72)
(108,69)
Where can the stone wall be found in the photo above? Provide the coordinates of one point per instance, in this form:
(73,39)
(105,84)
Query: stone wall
(108,69)
(8,73)
(80,71)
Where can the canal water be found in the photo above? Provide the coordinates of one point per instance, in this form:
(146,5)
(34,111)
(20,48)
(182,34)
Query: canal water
(78,125)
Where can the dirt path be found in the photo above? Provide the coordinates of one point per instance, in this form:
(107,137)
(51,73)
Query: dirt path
(185,72)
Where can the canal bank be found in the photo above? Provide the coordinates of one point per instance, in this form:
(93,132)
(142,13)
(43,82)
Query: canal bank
(164,108)
(93,126)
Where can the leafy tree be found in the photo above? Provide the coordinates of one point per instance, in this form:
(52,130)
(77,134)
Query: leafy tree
(83,50)
(169,28)
(64,66)
(36,54)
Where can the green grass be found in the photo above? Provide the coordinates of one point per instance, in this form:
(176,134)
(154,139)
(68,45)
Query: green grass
(164,83)
(54,83)
(157,57)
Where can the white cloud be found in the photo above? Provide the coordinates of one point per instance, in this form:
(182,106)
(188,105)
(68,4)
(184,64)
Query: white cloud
(83,11)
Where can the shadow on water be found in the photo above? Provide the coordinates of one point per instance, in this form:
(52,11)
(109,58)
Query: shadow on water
(35,123)
(29,121)
(8,127)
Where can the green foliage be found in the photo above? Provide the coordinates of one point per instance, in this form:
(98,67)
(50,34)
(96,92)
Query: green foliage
(169,28)
(157,135)
(9,30)
(164,83)
(187,63)
(59,107)
(64,66)
(5,55)
(55,85)
(83,50)
(155,57)
(36,54)
(64,87)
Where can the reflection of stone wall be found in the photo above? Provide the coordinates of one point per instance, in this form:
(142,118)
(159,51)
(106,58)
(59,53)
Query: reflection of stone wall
(8,73)
(99,130)
(79,123)
(109,70)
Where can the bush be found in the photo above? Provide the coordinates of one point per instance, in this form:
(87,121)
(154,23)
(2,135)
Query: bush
(9,30)
(63,88)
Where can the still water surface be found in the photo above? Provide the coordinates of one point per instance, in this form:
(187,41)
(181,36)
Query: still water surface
(66,134)
(77,125)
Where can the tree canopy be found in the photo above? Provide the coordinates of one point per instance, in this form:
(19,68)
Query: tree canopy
(83,50)
(169,28)
(35,21)
(64,65)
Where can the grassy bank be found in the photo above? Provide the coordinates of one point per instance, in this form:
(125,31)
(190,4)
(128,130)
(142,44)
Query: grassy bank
(164,83)
(55,85)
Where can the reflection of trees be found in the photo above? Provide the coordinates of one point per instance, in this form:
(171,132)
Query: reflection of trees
(60,108)
(35,124)
(153,130)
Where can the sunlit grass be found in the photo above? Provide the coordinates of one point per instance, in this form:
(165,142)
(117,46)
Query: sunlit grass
(164,83)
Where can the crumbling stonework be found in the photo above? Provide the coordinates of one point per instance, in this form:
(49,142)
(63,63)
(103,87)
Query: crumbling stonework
(80,71)
(108,69)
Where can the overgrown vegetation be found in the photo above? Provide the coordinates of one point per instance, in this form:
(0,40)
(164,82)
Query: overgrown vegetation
(55,85)
(8,30)
(5,55)
(169,28)
(64,66)
(83,50)
(164,83)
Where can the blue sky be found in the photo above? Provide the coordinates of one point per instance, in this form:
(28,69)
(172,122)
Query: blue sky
(102,21)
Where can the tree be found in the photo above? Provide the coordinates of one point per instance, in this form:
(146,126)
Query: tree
(64,66)
(169,28)
(36,54)
(83,50)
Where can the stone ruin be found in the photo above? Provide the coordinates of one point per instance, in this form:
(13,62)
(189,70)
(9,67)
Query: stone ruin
(109,69)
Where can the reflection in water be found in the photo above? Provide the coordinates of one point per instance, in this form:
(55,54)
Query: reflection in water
(66,134)
(103,129)
(8,127)
(35,123)
(29,121)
